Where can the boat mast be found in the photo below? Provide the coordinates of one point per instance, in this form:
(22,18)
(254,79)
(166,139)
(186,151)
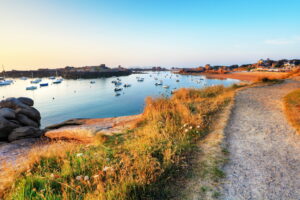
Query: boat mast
(3,71)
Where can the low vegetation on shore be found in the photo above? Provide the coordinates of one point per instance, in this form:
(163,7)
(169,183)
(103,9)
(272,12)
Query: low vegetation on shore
(134,164)
(292,108)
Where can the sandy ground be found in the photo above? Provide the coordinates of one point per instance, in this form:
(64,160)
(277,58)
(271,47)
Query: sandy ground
(264,148)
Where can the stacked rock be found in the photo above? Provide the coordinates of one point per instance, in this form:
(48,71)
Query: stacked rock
(18,119)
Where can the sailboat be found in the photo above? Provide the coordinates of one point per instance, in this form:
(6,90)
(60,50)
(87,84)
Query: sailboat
(3,81)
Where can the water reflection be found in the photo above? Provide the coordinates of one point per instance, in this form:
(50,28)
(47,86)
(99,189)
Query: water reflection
(81,99)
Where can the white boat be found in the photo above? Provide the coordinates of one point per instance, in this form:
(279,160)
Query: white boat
(118,83)
(127,85)
(23,78)
(92,82)
(9,81)
(57,81)
(140,79)
(31,88)
(52,77)
(36,81)
(158,84)
(166,86)
(4,83)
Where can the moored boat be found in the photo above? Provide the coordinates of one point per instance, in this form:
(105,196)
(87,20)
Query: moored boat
(57,81)
(36,81)
(31,88)
(118,89)
(44,84)
(2,83)
(127,85)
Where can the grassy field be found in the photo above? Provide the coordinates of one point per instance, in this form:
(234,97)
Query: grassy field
(134,164)
(292,108)
(252,76)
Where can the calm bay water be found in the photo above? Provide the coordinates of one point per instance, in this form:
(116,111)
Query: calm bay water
(81,99)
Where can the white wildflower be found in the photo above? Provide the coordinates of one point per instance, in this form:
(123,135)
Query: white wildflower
(78,178)
(186,130)
(86,178)
(191,127)
(52,175)
(107,168)
(79,154)
(96,176)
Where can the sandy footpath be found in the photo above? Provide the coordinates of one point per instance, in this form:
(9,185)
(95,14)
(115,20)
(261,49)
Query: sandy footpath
(264,149)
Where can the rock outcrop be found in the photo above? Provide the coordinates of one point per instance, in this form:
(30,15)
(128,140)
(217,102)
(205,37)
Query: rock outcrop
(19,120)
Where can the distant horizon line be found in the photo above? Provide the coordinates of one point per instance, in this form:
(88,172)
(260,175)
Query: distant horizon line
(133,66)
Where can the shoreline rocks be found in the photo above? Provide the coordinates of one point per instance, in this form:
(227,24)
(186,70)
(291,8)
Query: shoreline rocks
(19,120)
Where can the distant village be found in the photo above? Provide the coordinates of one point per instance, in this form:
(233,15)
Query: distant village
(267,65)
(102,70)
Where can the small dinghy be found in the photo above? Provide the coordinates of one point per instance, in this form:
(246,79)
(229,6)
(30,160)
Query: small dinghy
(127,85)
(57,81)
(4,83)
(118,89)
(118,83)
(31,88)
(44,84)
(92,82)
(36,81)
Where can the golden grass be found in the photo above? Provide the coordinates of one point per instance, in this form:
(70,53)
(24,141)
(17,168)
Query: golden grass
(10,173)
(204,166)
(131,165)
(292,108)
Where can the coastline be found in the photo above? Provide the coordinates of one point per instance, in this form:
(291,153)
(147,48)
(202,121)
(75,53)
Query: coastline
(243,76)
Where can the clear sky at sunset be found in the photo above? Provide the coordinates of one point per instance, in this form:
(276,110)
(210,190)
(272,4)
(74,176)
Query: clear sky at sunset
(55,33)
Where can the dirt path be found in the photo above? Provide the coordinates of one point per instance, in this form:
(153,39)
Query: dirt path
(264,149)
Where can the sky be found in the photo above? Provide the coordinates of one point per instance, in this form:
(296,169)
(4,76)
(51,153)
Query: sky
(188,33)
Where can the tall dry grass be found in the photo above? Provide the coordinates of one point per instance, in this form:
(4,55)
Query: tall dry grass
(275,77)
(292,108)
(130,165)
